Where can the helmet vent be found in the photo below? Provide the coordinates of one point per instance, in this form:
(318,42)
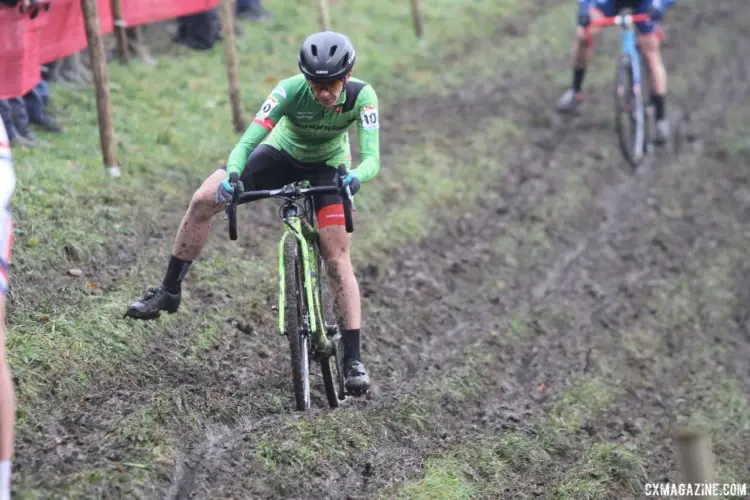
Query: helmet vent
(314,50)
(333,50)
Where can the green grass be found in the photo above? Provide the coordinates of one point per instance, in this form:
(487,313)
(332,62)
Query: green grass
(606,468)
(494,465)
(443,478)
(578,403)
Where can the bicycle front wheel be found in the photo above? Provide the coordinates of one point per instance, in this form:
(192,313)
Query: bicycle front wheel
(630,114)
(295,312)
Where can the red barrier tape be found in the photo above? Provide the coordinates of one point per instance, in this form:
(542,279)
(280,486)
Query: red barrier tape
(64,32)
(137,12)
(19,53)
(26,44)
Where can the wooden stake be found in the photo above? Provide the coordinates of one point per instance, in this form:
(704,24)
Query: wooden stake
(101,85)
(324,15)
(122,39)
(418,17)
(230,56)
(695,459)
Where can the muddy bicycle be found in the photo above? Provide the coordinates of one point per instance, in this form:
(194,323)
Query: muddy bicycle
(302,311)
(631,118)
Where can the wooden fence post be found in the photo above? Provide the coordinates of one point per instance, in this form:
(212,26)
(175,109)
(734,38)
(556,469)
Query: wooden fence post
(119,24)
(101,85)
(324,15)
(418,17)
(695,461)
(230,56)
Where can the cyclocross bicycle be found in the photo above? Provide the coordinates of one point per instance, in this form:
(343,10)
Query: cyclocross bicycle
(301,285)
(630,110)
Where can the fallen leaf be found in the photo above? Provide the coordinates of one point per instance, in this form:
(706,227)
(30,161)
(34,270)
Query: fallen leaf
(91,284)
(75,272)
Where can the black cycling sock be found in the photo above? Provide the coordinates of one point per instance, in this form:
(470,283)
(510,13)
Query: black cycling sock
(351,345)
(659,106)
(176,271)
(578,74)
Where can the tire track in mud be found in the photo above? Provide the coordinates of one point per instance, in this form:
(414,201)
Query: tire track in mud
(664,388)
(613,201)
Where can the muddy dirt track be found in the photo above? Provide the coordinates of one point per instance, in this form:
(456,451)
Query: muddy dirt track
(586,254)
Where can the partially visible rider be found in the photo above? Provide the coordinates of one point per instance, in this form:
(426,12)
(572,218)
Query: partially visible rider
(7,394)
(649,40)
(308,116)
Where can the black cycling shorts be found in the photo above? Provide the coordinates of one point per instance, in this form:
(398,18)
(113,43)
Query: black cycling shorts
(269,168)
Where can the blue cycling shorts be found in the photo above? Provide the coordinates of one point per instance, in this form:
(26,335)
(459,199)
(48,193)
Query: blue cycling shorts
(610,8)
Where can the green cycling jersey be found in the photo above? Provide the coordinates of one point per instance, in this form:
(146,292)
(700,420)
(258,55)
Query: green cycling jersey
(299,125)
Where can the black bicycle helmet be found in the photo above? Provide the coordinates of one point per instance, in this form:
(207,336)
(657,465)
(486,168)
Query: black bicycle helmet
(326,56)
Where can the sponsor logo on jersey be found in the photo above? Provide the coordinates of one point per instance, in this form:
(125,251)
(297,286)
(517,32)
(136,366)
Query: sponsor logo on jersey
(324,128)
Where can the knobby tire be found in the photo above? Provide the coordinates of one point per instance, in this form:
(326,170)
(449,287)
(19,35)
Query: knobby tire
(294,308)
(629,130)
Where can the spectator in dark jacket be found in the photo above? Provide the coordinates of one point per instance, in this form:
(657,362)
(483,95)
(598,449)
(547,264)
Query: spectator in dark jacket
(199,31)
(251,10)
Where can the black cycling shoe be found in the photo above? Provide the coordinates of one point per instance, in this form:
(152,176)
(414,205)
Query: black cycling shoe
(149,306)
(357,381)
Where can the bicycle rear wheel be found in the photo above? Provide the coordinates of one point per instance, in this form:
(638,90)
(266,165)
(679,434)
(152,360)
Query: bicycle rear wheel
(333,379)
(630,115)
(295,312)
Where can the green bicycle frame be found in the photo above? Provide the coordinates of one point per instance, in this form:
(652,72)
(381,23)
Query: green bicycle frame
(298,227)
